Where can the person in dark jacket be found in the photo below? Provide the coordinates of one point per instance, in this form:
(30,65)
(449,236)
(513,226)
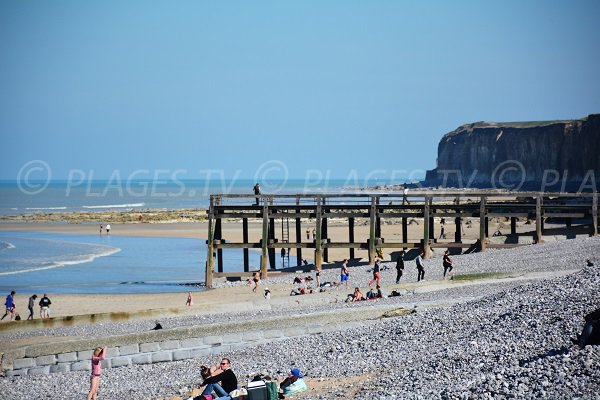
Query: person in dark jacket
(399,266)
(31,305)
(221,383)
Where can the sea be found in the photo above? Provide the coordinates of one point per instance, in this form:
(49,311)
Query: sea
(42,262)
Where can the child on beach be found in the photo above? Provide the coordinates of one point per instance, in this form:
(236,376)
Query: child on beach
(189,302)
(99,355)
(255,278)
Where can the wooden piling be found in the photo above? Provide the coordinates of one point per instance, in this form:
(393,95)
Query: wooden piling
(482,219)
(264,257)
(245,240)
(210,257)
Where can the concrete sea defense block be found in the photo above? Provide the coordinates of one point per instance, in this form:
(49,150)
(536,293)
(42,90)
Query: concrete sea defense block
(81,366)
(193,342)
(181,355)
(149,347)
(45,360)
(213,340)
(200,352)
(274,333)
(23,363)
(61,367)
(141,359)
(85,355)
(252,336)
(162,356)
(129,349)
(67,357)
(120,361)
(169,345)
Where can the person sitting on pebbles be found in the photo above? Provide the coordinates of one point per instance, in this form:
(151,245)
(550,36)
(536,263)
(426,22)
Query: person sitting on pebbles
(356,296)
(294,383)
(222,381)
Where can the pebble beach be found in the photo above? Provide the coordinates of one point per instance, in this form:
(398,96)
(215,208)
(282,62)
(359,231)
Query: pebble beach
(497,338)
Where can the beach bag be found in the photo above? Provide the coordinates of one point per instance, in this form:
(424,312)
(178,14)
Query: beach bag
(272,390)
(296,387)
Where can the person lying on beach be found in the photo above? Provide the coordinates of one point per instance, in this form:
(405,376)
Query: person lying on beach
(301,291)
(302,280)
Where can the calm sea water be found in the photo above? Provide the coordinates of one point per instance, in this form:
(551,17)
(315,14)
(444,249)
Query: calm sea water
(64,196)
(37,262)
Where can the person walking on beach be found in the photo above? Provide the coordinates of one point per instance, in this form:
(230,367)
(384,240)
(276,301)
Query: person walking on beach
(344,273)
(399,266)
(101,229)
(107,229)
(420,267)
(307,233)
(189,302)
(10,306)
(98,356)
(45,307)
(447,263)
(30,306)
(376,274)
(255,278)
(314,232)
(257,192)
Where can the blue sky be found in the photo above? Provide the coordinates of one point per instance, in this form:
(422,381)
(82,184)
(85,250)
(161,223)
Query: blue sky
(340,87)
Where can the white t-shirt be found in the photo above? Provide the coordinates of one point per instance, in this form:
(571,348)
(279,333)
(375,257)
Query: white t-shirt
(108,227)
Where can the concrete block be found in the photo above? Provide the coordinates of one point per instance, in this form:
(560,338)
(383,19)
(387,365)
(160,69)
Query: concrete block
(112,352)
(129,349)
(240,346)
(45,370)
(120,361)
(23,363)
(192,342)
(67,357)
(315,329)
(274,333)
(149,347)
(141,359)
(220,349)
(17,372)
(81,366)
(252,336)
(200,352)
(85,355)
(295,331)
(45,360)
(181,355)
(231,338)
(162,356)
(60,367)
(170,345)
(105,363)
(213,340)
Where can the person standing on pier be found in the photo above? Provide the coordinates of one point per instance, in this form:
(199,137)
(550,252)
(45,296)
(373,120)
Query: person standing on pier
(257,192)
(420,267)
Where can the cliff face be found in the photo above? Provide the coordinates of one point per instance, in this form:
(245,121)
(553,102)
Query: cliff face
(556,155)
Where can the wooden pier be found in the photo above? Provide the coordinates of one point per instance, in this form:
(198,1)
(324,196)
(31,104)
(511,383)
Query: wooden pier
(316,209)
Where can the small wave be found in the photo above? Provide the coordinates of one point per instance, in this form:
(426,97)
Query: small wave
(45,208)
(6,245)
(108,252)
(128,205)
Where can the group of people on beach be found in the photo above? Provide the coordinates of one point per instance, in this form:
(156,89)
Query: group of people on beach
(105,228)
(11,308)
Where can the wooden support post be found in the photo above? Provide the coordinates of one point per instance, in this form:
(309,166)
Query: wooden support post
(482,222)
(210,254)
(538,220)
(272,260)
(351,235)
(318,244)
(372,231)
(426,226)
(325,235)
(377,219)
(219,236)
(513,225)
(264,257)
(431,226)
(569,221)
(595,215)
(298,235)
(458,224)
(245,240)
(404,230)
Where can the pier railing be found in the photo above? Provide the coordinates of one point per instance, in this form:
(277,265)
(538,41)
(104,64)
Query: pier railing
(314,210)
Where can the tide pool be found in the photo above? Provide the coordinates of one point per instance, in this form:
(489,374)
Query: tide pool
(38,262)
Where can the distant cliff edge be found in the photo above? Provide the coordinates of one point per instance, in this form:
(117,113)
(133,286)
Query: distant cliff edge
(550,155)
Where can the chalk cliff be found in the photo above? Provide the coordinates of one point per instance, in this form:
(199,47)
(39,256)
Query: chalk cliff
(552,155)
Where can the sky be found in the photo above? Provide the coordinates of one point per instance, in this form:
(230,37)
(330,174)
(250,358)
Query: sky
(243,88)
